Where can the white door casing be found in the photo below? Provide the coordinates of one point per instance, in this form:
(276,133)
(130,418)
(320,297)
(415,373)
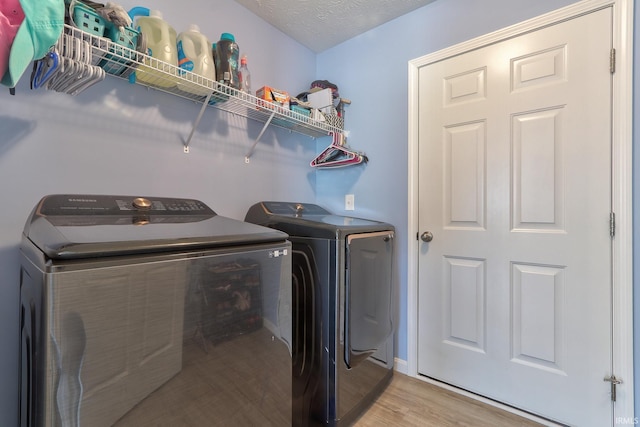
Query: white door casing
(533,280)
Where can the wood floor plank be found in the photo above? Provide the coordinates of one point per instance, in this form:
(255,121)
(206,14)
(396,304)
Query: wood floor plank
(411,402)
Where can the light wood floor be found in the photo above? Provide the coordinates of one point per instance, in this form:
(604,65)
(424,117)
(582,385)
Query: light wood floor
(411,402)
(213,389)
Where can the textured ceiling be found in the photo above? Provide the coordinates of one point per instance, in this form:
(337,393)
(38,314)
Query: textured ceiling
(321,24)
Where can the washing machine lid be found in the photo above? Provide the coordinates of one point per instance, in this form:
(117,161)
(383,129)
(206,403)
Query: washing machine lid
(70,226)
(310,220)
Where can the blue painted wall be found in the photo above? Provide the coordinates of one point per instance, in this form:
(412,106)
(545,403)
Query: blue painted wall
(372,70)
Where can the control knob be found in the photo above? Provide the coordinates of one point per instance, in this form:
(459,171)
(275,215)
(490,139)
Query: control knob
(141,203)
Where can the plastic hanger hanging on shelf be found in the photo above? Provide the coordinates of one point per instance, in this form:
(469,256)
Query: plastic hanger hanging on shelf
(338,155)
(67,67)
(44,69)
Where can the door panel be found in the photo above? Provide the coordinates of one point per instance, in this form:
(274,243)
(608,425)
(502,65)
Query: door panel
(538,293)
(537,174)
(515,186)
(464,302)
(464,193)
(368,296)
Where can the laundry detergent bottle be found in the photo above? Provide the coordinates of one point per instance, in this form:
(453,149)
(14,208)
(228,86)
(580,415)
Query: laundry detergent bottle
(227,60)
(160,38)
(194,55)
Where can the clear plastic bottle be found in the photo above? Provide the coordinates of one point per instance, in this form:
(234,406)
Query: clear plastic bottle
(244,76)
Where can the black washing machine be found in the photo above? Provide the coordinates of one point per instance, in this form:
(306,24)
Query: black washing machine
(342,299)
(140,311)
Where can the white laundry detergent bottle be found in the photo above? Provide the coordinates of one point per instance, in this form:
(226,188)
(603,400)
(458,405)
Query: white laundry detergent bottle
(194,54)
(160,39)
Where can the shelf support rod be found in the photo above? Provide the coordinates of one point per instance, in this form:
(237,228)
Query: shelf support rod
(253,147)
(197,122)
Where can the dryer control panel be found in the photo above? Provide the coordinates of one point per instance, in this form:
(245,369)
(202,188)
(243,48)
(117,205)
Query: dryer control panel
(293,208)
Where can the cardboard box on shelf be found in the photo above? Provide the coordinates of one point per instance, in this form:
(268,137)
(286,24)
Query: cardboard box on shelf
(279,97)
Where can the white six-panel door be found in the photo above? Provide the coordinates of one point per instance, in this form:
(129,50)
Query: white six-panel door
(515,187)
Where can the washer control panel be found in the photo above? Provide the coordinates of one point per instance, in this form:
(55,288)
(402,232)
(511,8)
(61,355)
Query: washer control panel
(71,208)
(69,204)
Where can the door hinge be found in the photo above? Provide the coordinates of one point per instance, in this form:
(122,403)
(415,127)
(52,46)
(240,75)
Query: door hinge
(612,61)
(612,224)
(614,382)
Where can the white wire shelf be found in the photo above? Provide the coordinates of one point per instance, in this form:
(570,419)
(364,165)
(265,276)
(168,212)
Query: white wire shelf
(125,63)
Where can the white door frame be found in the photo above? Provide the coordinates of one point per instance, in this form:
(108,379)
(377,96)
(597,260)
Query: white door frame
(622,120)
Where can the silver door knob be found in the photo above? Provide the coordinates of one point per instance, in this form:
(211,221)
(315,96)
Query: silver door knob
(427,236)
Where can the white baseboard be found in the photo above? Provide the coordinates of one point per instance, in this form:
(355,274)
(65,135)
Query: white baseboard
(401,366)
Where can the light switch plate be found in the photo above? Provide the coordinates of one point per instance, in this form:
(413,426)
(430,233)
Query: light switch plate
(349,202)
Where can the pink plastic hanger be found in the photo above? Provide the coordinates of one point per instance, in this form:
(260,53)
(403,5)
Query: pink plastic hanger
(338,155)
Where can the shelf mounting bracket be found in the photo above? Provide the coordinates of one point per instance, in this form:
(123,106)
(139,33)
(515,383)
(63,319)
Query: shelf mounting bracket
(197,122)
(253,147)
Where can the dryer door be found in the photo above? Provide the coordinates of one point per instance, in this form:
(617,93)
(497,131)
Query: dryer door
(368,294)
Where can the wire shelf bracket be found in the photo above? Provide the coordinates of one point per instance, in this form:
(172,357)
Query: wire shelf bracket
(122,62)
(253,147)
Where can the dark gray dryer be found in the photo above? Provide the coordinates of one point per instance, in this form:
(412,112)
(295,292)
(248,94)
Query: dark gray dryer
(342,309)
